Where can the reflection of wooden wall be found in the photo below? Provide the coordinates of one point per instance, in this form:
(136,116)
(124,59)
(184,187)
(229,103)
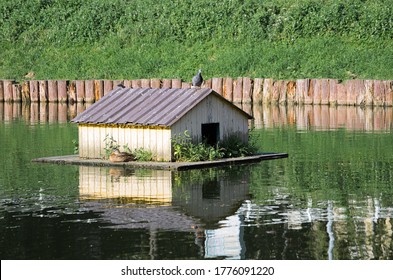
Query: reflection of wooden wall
(102,182)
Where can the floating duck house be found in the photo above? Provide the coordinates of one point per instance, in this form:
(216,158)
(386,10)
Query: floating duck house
(150,118)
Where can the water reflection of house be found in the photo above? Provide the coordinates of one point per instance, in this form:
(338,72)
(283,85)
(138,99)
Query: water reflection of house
(164,200)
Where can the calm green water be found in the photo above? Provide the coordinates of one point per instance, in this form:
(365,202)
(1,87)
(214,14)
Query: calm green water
(331,199)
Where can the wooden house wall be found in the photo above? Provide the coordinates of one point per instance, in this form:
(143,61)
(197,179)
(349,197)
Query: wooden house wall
(157,140)
(212,110)
(100,182)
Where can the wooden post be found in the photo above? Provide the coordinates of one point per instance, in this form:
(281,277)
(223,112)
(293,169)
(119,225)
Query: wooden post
(351,92)
(52,91)
(257,91)
(325,91)
(108,86)
(217,85)
(185,85)
(333,91)
(89,91)
(276,92)
(247,90)
(176,83)
(116,83)
(136,83)
(16,92)
(145,83)
(98,89)
(155,83)
(71,92)
(127,83)
(166,83)
(238,90)
(308,97)
(316,93)
(267,91)
(25,92)
(80,91)
(1,91)
(228,88)
(379,93)
(341,94)
(388,93)
(34,95)
(62,91)
(301,89)
(8,94)
(282,92)
(369,98)
(207,83)
(43,91)
(291,92)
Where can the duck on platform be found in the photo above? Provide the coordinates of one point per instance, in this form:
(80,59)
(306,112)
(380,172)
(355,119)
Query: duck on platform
(117,156)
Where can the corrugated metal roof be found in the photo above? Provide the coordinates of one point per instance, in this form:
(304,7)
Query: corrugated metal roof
(146,106)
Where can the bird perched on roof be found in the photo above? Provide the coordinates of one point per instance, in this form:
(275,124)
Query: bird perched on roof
(121,85)
(197,80)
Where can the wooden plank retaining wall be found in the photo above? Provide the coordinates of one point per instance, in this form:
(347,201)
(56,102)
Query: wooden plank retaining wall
(240,90)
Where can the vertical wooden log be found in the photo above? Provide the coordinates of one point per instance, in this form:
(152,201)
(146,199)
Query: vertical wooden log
(317,91)
(291,92)
(117,83)
(360,90)
(388,93)
(247,90)
(16,93)
(127,83)
(136,83)
(176,83)
(43,91)
(52,91)
(333,91)
(309,96)
(325,91)
(108,86)
(341,93)
(369,87)
(217,85)
(275,92)
(351,92)
(166,83)
(379,93)
(62,91)
(257,91)
(26,92)
(267,91)
(98,89)
(1,91)
(185,85)
(71,93)
(207,83)
(80,91)
(34,95)
(228,89)
(246,107)
(8,91)
(301,90)
(89,91)
(282,92)
(80,107)
(145,83)
(155,83)
(238,90)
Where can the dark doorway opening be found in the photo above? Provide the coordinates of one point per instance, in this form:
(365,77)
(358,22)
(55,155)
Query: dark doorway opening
(211,133)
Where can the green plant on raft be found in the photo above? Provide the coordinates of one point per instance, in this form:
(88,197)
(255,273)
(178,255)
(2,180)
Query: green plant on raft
(110,144)
(142,154)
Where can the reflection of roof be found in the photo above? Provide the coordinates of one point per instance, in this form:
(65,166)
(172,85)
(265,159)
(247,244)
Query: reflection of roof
(146,106)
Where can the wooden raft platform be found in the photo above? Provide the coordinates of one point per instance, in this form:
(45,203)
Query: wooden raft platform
(75,160)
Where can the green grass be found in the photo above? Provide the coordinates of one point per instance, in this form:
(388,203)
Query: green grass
(122,39)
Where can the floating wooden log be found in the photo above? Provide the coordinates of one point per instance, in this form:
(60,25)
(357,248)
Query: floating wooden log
(16,93)
(89,91)
(52,91)
(62,91)
(166,83)
(238,90)
(155,83)
(217,85)
(34,95)
(25,92)
(98,89)
(43,91)
(108,86)
(257,91)
(8,91)
(80,91)
(267,91)
(247,90)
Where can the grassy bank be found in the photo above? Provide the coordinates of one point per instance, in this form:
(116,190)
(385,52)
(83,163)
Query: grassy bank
(143,39)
